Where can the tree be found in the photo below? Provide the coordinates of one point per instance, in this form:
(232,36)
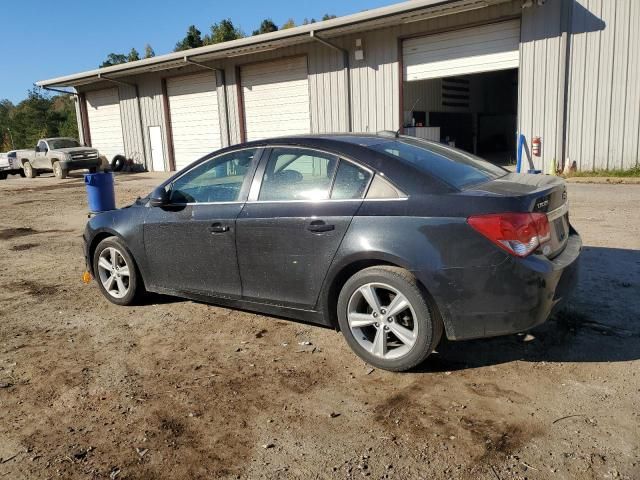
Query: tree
(133,55)
(267,26)
(193,39)
(306,21)
(328,16)
(224,31)
(36,117)
(114,59)
(289,24)
(148,51)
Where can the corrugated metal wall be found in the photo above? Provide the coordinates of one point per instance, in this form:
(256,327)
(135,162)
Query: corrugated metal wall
(604,85)
(541,80)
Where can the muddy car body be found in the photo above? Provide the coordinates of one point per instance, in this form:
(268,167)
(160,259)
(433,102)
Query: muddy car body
(391,240)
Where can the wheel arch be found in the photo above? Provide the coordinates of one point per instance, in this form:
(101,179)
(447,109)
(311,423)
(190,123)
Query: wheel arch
(339,276)
(99,237)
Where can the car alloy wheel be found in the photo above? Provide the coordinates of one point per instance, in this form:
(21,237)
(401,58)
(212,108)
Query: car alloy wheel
(382,321)
(114,272)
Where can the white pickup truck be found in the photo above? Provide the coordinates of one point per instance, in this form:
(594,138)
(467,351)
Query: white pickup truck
(59,155)
(9,165)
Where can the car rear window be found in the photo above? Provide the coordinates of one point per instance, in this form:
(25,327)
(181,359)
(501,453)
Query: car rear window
(455,167)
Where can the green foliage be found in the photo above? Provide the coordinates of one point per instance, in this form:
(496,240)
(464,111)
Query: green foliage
(224,31)
(289,24)
(307,21)
(193,39)
(148,51)
(631,172)
(328,16)
(114,59)
(39,116)
(133,55)
(267,26)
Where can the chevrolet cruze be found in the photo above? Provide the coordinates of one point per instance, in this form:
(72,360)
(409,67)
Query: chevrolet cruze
(392,240)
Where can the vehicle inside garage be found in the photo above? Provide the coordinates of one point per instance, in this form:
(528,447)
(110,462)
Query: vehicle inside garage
(461,88)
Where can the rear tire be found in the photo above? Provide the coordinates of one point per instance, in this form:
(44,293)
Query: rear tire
(22,173)
(58,171)
(116,272)
(29,171)
(398,333)
(3,175)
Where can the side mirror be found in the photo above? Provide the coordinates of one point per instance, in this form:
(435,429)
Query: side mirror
(159,197)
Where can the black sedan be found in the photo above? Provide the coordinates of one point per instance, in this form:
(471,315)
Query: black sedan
(389,239)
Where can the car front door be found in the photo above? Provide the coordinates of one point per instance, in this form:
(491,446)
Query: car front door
(40,159)
(291,227)
(190,243)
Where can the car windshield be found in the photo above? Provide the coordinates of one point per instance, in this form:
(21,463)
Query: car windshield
(455,167)
(63,143)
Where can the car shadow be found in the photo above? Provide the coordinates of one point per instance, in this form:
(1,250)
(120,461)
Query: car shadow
(601,322)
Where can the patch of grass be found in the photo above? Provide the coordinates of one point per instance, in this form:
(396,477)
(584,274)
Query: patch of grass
(632,172)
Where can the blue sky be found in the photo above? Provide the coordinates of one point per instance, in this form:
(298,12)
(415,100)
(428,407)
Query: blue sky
(41,40)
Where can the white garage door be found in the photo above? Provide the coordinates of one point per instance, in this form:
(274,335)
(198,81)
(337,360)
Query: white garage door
(105,125)
(472,50)
(276,98)
(195,120)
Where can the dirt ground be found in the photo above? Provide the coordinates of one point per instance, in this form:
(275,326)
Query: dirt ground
(177,389)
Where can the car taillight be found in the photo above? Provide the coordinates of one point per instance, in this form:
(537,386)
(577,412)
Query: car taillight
(517,233)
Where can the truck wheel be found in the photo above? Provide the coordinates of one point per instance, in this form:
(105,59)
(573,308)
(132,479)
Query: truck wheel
(93,170)
(3,175)
(58,171)
(29,171)
(22,173)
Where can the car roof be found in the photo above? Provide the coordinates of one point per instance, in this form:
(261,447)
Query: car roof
(357,147)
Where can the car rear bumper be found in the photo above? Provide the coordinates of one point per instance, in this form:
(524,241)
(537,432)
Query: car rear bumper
(512,297)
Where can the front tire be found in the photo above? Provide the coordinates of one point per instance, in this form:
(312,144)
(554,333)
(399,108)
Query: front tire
(116,272)
(29,171)
(386,320)
(58,171)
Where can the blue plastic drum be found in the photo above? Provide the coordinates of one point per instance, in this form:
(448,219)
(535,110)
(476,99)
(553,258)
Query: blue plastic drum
(100,192)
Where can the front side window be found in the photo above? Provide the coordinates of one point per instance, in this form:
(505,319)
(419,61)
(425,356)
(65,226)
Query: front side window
(217,180)
(298,174)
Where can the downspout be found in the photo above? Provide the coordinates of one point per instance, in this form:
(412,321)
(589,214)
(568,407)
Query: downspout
(347,72)
(140,122)
(224,92)
(566,26)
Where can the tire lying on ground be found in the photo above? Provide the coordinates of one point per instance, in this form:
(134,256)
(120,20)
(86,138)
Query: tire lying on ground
(118,163)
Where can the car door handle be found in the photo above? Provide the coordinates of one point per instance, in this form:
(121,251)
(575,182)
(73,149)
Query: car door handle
(218,228)
(319,226)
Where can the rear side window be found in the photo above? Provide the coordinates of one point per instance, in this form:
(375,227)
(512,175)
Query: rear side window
(455,167)
(351,182)
(298,174)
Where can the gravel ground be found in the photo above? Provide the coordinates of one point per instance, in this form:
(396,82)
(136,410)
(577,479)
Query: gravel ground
(177,389)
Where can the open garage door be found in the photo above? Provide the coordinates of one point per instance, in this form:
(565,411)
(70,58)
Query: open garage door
(195,120)
(461,52)
(105,124)
(276,98)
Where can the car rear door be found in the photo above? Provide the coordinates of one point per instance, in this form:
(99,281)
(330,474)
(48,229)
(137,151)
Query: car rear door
(300,206)
(190,244)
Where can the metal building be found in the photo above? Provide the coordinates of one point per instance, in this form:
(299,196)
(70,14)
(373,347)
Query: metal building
(474,73)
